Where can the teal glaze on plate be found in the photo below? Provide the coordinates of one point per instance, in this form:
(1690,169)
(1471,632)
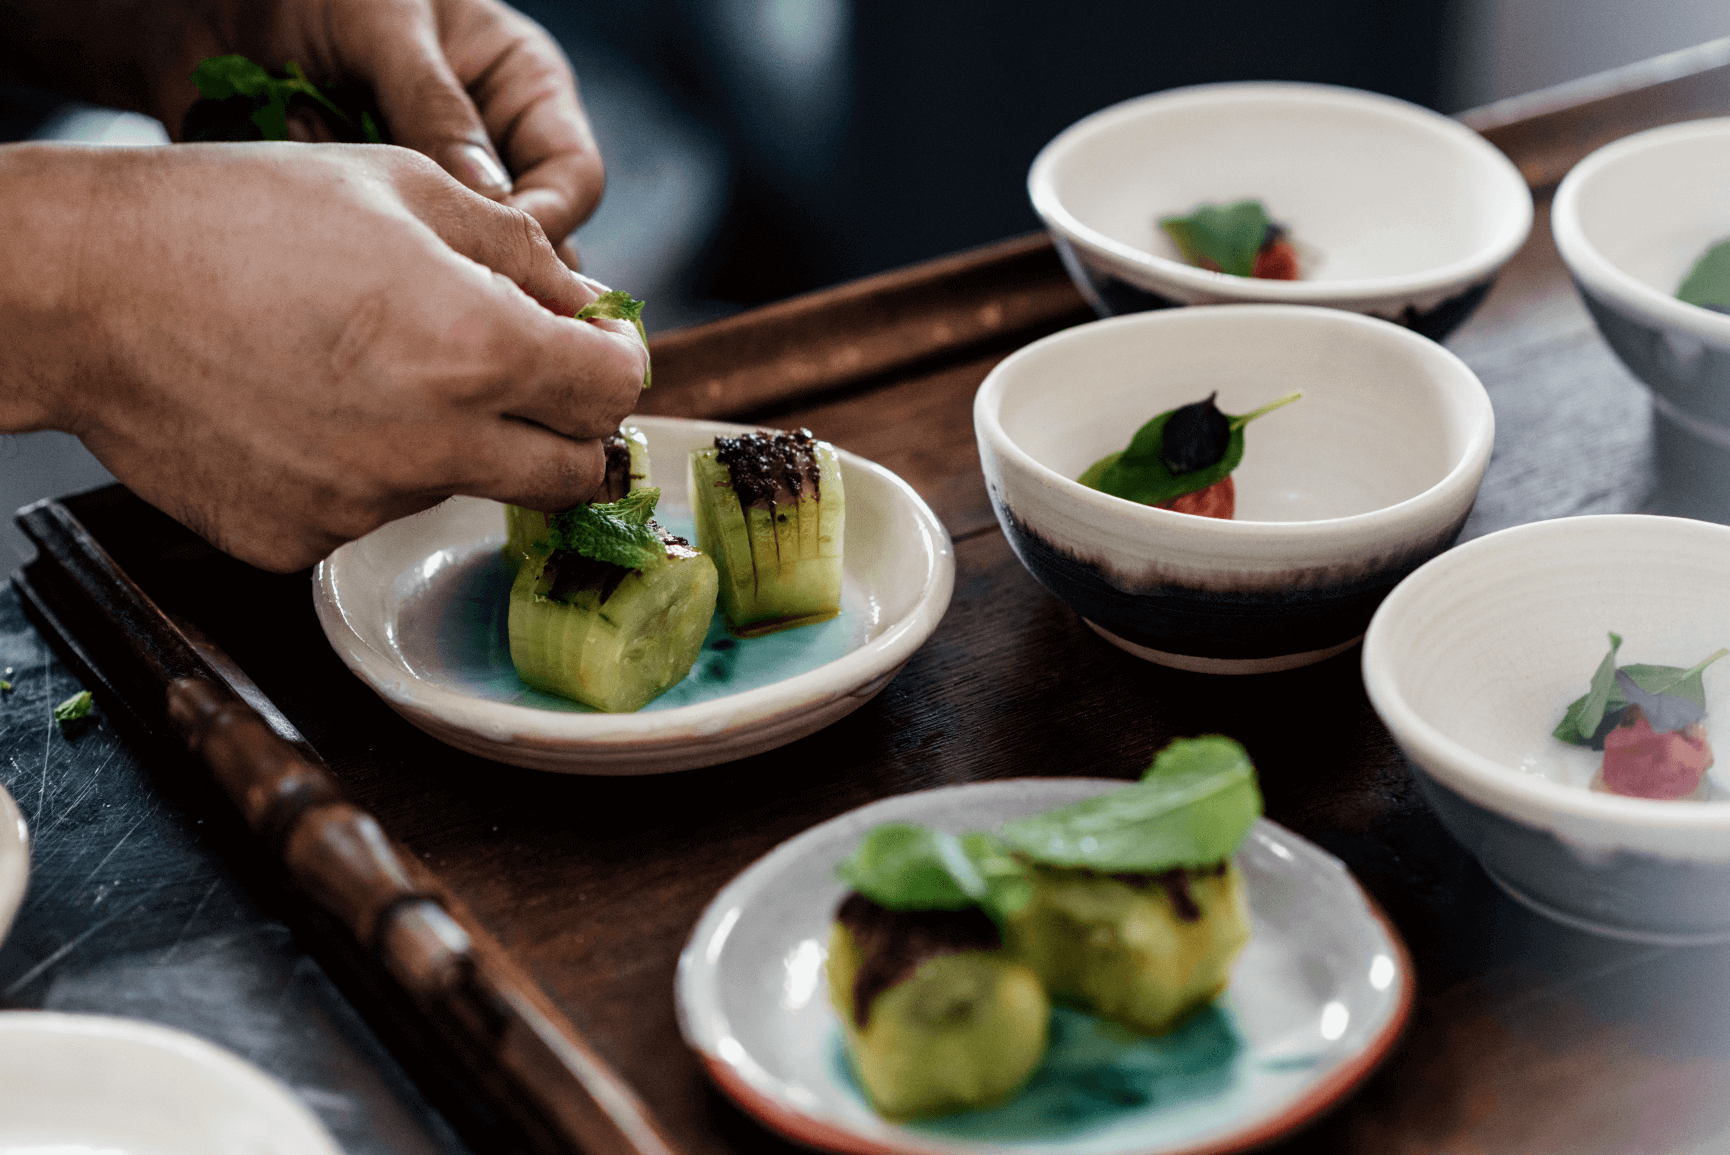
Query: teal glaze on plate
(466,628)
(1096,1075)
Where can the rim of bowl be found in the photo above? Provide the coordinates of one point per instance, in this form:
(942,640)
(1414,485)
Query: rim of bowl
(1589,265)
(1381,680)
(1473,457)
(697,721)
(1042,191)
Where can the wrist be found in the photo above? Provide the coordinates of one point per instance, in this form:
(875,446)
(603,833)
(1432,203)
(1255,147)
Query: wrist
(48,338)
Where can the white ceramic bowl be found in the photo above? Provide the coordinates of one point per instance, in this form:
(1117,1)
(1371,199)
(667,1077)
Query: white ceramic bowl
(1316,999)
(1471,663)
(14,860)
(1340,495)
(1630,221)
(77,1084)
(1401,212)
(415,609)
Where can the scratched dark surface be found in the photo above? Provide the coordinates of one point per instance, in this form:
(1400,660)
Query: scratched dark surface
(1526,1036)
(132,911)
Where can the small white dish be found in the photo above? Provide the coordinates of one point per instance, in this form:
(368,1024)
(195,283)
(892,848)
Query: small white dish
(1339,495)
(14,860)
(416,610)
(1630,220)
(1401,212)
(93,1084)
(1317,998)
(1471,663)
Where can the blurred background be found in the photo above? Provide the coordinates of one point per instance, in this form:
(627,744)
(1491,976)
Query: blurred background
(757,149)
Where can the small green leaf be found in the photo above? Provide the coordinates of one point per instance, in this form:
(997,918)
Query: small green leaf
(369,128)
(1192,808)
(1229,236)
(902,866)
(5,686)
(73,708)
(272,119)
(1140,474)
(618,532)
(618,305)
(1708,282)
(1583,715)
(221,77)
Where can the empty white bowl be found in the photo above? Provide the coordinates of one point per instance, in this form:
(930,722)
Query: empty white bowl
(1400,212)
(14,860)
(1630,221)
(1471,663)
(1339,496)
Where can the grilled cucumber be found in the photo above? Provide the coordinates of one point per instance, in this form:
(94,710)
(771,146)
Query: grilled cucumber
(769,509)
(526,530)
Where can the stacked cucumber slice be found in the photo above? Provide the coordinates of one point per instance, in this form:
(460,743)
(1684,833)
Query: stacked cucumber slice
(769,509)
(609,609)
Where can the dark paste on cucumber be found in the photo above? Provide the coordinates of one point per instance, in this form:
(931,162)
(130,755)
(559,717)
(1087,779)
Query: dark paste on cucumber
(1175,883)
(568,574)
(770,468)
(893,943)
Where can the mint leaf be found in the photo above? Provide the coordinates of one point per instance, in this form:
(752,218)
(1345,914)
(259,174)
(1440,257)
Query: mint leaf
(618,305)
(1580,723)
(73,708)
(1708,282)
(1226,236)
(617,532)
(902,866)
(1192,808)
(221,77)
(1139,473)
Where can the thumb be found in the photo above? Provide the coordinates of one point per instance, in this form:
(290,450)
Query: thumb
(426,106)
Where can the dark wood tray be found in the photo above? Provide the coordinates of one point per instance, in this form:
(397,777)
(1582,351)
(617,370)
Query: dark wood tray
(522,928)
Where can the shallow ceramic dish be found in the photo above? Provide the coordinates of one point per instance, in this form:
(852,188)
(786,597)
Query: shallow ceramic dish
(1340,495)
(1397,211)
(1630,221)
(14,860)
(1317,997)
(417,610)
(1471,663)
(91,1084)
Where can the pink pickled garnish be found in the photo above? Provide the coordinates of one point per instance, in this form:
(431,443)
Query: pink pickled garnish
(1642,763)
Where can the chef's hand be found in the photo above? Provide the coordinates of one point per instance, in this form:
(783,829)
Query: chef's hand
(471,83)
(285,346)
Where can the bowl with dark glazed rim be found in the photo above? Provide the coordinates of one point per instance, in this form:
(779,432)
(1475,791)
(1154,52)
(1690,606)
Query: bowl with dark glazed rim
(1630,220)
(1339,495)
(1475,658)
(1396,211)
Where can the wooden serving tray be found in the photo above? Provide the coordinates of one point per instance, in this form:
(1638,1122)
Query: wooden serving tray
(518,931)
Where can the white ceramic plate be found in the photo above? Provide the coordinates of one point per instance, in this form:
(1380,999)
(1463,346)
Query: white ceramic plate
(1316,999)
(14,860)
(416,609)
(75,1084)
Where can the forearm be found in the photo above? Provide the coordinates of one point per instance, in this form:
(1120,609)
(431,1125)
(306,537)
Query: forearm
(136,54)
(46,314)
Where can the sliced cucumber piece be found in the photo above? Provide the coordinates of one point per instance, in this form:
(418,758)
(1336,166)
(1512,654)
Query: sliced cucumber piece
(606,636)
(769,509)
(627,469)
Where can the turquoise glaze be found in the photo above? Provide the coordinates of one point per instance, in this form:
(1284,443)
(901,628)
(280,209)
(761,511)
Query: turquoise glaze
(472,650)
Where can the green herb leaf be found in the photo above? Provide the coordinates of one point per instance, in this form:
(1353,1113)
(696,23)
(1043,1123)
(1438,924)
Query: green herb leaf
(1580,722)
(1229,236)
(1708,282)
(221,77)
(5,686)
(618,305)
(1192,808)
(618,532)
(1139,473)
(901,866)
(73,708)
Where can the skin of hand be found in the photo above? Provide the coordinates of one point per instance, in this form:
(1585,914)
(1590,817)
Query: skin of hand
(469,83)
(286,345)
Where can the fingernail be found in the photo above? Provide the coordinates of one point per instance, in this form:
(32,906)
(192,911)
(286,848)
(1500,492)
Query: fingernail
(481,171)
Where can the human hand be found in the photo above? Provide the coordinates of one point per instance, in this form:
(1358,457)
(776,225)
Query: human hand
(285,346)
(468,83)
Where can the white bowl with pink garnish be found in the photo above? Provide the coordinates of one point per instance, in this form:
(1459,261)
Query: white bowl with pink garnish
(1577,767)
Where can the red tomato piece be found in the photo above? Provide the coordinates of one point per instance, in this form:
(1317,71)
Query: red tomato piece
(1641,763)
(1217,500)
